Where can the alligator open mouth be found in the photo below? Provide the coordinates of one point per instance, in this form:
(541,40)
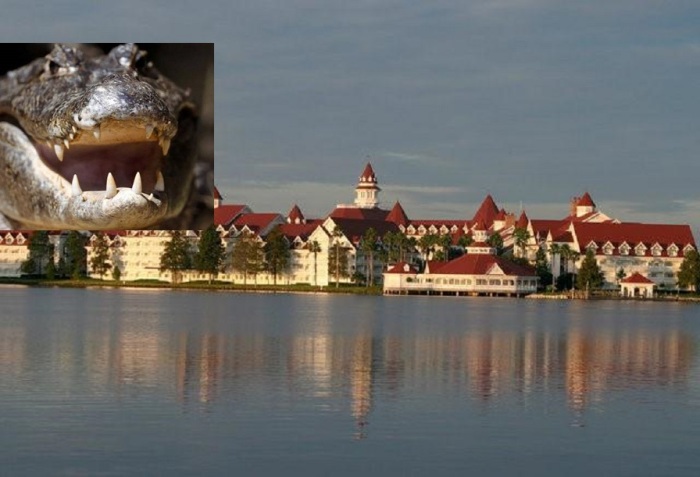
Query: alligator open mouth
(111,158)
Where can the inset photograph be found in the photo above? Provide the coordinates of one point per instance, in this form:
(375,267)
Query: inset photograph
(106,136)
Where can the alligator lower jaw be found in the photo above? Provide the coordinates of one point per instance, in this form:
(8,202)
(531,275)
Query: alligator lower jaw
(104,168)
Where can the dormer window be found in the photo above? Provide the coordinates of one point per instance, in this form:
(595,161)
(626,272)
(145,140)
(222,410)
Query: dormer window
(453,229)
(411,229)
(640,249)
(656,250)
(608,248)
(20,239)
(688,248)
(672,250)
(9,239)
(592,246)
(421,230)
(444,229)
(624,249)
(432,229)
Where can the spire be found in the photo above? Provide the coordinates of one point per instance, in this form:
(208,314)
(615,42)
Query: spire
(295,216)
(397,215)
(367,189)
(487,211)
(522,221)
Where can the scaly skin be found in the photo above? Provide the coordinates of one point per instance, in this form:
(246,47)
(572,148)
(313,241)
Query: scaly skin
(93,143)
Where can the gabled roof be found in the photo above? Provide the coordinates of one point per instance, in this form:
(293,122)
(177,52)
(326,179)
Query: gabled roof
(295,215)
(292,231)
(636,277)
(480,264)
(217,195)
(226,214)
(487,211)
(634,234)
(256,222)
(397,215)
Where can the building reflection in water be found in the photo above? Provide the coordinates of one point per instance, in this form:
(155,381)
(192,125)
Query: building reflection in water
(344,367)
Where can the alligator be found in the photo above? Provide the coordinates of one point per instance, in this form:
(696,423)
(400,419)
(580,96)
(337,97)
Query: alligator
(94,142)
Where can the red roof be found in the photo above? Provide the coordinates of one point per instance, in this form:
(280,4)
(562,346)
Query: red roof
(402,267)
(368,174)
(479,264)
(295,215)
(292,231)
(586,201)
(225,214)
(633,234)
(636,277)
(397,215)
(522,221)
(543,227)
(256,221)
(501,215)
(487,212)
(217,195)
(358,213)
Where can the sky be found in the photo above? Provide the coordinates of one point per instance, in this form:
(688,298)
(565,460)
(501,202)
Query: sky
(531,101)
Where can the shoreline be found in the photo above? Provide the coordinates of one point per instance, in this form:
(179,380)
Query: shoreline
(292,289)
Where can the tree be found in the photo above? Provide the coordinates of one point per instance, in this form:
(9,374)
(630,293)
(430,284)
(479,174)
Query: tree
(276,251)
(338,256)
(521,236)
(589,275)
(211,253)
(116,273)
(427,244)
(445,241)
(247,255)
(542,267)
(75,255)
(40,252)
(368,245)
(51,268)
(176,256)
(689,272)
(496,241)
(100,255)
(315,248)
(620,275)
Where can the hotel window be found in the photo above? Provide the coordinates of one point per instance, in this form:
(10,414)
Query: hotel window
(656,250)
(640,249)
(608,249)
(672,251)
(624,249)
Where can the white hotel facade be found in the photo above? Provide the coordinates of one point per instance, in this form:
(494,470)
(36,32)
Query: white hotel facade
(654,251)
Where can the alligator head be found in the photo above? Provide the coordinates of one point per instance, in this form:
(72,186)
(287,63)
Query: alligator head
(93,142)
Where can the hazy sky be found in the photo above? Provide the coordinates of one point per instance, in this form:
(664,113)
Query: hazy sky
(532,101)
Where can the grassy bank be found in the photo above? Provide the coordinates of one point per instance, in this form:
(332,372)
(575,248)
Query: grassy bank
(202,285)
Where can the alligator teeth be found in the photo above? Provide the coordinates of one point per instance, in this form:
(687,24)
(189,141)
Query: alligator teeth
(66,142)
(160,182)
(75,186)
(96,132)
(165,145)
(75,130)
(58,149)
(111,188)
(137,188)
(149,130)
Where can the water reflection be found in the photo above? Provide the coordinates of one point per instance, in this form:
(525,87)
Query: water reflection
(347,366)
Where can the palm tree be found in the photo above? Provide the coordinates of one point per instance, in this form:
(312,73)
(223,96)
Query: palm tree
(521,236)
(315,248)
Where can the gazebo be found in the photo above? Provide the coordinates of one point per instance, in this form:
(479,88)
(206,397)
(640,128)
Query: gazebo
(637,286)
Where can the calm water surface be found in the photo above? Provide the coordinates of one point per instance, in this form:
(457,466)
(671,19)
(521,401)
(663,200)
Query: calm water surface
(116,382)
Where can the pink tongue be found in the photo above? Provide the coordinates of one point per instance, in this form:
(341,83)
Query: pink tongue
(93,163)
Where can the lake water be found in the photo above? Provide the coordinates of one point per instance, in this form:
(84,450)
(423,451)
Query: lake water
(120,382)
